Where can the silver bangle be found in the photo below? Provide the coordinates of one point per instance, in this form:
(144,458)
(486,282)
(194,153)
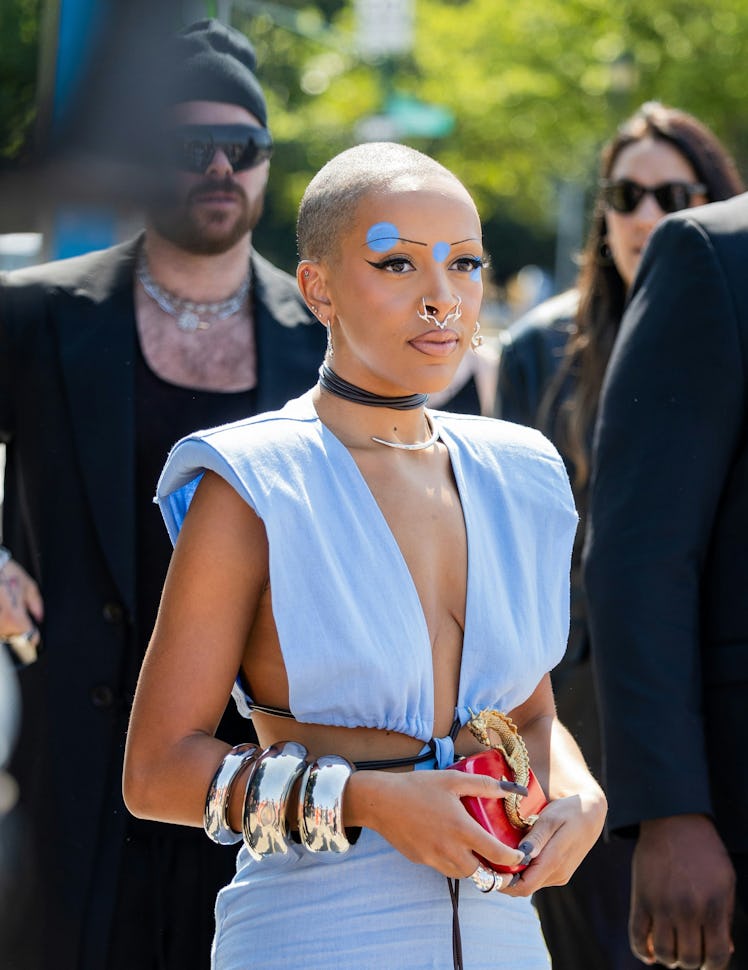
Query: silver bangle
(271,778)
(5,557)
(321,804)
(215,817)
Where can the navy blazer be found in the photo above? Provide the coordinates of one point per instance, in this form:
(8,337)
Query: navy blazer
(667,543)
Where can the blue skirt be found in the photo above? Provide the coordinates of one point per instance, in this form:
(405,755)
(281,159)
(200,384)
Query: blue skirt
(369,909)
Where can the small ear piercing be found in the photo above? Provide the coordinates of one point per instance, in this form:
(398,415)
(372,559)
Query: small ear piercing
(306,274)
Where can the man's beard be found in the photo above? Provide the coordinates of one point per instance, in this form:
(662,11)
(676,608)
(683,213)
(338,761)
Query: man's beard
(206,234)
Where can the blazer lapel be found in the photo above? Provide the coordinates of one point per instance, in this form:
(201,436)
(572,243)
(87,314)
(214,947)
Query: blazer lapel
(96,326)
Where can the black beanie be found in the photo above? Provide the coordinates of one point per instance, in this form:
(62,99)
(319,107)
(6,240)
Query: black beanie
(214,62)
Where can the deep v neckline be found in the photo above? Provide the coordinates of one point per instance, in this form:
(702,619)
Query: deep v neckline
(383,529)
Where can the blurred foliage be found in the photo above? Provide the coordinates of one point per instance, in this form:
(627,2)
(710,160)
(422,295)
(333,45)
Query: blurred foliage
(534,87)
(19,32)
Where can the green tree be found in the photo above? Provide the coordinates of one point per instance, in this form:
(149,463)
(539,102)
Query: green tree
(19,31)
(535,88)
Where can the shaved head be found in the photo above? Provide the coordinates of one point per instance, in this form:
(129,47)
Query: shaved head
(330,200)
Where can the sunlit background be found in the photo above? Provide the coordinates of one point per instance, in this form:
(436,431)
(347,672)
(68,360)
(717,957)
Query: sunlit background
(515,97)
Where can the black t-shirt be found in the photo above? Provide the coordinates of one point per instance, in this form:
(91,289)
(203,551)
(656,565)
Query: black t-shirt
(164,413)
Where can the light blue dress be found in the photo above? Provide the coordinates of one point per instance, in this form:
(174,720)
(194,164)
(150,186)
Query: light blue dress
(357,653)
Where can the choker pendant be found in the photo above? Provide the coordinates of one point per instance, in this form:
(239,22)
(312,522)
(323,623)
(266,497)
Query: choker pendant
(418,446)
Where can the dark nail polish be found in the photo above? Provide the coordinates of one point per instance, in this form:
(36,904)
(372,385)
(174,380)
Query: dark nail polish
(515,879)
(526,847)
(527,860)
(513,787)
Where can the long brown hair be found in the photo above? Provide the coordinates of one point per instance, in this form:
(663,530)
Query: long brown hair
(602,291)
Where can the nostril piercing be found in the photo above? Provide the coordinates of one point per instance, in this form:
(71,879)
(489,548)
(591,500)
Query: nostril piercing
(452,317)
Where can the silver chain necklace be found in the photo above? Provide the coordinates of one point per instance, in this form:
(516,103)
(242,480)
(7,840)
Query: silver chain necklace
(188,315)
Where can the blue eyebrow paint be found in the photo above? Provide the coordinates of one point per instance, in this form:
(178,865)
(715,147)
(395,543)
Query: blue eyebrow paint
(382,236)
(440,251)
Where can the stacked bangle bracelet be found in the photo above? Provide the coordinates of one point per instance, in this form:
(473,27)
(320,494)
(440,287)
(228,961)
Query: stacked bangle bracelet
(269,785)
(321,805)
(273,773)
(215,818)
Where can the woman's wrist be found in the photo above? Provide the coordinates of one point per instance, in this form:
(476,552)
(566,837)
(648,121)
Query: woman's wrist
(359,807)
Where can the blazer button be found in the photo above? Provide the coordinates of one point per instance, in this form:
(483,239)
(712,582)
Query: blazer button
(102,696)
(113,613)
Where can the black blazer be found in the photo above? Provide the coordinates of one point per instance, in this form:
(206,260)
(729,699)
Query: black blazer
(67,353)
(667,556)
(532,354)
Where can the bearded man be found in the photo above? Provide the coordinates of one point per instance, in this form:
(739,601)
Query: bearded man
(105,361)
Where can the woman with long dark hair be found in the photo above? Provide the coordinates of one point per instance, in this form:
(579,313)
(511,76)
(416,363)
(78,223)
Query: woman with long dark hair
(553,363)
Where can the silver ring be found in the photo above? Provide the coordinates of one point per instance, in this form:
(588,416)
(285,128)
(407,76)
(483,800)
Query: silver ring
(24,645)
(484,879)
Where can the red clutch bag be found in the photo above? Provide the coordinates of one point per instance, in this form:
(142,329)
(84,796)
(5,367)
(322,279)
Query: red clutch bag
(506,759)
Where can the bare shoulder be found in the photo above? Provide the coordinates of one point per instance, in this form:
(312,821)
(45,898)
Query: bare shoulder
(222,538)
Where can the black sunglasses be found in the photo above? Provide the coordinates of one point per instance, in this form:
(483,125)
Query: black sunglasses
(191,147)
(624,195)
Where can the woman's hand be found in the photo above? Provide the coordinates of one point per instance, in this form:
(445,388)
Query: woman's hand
(421,815)
(565,831)
(571,823)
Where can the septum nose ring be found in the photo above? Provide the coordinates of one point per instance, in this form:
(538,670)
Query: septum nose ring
(452,317)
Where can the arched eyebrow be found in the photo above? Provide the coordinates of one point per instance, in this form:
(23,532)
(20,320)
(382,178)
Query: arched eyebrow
(413,242)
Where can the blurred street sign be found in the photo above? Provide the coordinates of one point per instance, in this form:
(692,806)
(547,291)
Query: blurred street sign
(406,117)
(384,28)
(377,128)
(416,118)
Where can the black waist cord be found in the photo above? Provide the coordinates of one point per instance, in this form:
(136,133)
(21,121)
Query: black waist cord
(454,895)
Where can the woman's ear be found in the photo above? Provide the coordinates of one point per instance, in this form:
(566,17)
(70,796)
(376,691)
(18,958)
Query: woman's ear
(312,283)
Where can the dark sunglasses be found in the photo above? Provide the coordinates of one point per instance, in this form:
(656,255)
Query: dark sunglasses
(191,147)
(624,195)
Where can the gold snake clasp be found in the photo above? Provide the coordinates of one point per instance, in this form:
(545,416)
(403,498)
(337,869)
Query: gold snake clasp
(511,744)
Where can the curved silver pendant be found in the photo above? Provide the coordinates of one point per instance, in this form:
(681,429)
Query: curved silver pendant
(418,446)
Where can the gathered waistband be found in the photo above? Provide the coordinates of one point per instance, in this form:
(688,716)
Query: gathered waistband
(436,753)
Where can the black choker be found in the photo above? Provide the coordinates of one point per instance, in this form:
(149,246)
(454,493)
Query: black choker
(349,392)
